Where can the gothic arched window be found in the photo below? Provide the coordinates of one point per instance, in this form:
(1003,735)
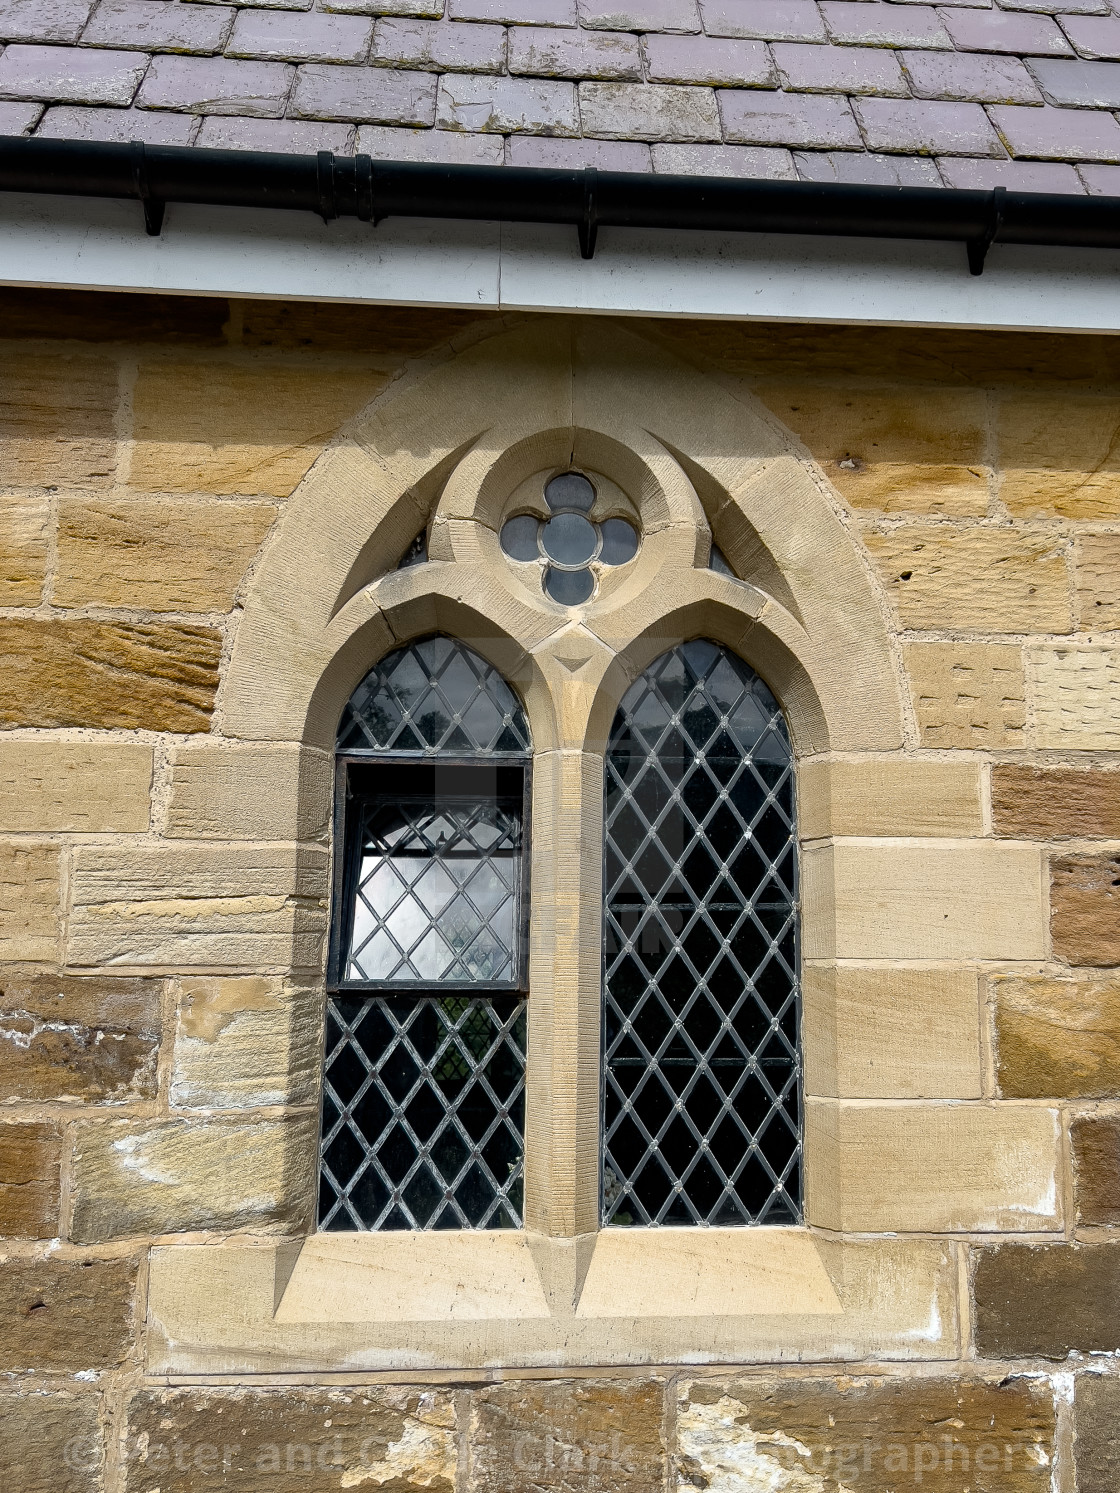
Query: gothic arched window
(701,1030)
(424,1082)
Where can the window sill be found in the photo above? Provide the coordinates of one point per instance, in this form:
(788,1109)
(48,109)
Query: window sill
(373,1302)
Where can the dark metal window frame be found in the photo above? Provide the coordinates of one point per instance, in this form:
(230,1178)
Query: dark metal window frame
(346,846)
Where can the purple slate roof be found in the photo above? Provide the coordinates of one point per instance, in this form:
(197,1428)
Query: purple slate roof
(972,93)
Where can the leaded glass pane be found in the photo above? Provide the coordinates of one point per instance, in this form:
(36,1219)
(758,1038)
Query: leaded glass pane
(435,900)
(423,1113)
(701,1018)
(434,696)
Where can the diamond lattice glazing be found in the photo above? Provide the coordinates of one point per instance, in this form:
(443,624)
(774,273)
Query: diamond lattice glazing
(434,696)
(423,1113)
(701,1019)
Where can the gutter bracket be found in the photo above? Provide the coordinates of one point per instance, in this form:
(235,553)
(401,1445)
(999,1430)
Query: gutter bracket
(363,189)
(978,247)
(587,227)
(324,171)
(153,208)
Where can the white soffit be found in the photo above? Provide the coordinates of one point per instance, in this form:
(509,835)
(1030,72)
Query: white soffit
(84,243)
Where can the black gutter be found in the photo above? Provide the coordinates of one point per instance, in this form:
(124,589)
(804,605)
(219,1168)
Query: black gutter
(356,186)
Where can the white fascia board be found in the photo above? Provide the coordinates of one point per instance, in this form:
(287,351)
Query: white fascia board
(84,243)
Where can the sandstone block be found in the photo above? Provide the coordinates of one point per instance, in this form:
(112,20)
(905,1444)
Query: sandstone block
(989,580)
(180,904)
(1076,693)
(176,1176)
(291,1440)
(165,557)
(242,431)
(897,900)
(57,418)
(244,1042)
(970,1167)
(1055,803)
(1057,455)
(90,1038)
(228,792)
(1057,1039)
(892,449)
(131,676)
(50,1442)
(29,901)
(1085,908)
(569,1436)
(74,785)
(968,694)
(1096,1449)
(23,549)
(65,1315)
(888,796)
(30,1159)
(877,1033)
(1096,1168)
(876,1434)
(1096,575)
(1046,1300)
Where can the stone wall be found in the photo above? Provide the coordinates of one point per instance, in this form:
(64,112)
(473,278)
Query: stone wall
(161,927)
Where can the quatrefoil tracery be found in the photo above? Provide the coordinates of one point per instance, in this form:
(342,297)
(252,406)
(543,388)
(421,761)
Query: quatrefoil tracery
(568,543)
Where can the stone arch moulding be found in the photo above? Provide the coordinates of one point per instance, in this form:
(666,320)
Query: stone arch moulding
(445,448)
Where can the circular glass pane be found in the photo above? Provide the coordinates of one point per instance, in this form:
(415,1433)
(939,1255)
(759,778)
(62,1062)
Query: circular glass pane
(569,540)
(568,587)
(620,542)
(519,537)
(570,490)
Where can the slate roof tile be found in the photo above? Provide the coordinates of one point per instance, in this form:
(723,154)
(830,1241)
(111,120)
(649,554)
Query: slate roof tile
(912,92)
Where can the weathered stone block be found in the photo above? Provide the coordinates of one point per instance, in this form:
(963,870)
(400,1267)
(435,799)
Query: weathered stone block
(1085,908)
(893,449)
(292,1440)
(936,1167)
(57,418)
(1096,1447)
(183,904)
(74,785)
(50,1442)
(1057,455)
(569,1437)
(1096,1168)
(23,549)
(968,694)
(990,580)
(228,792)
(876,1434)
(78,1037)
(238,430)
(1076,693)
(1046,1300)
(877,1033)
(133,676)
(244,1042)
(888,796)
(66,1315)
(175,1176)
(1055,803)
(165,557)
(29,901)
(892,899)
(1097,580)
(30,1162)
(1057,1039)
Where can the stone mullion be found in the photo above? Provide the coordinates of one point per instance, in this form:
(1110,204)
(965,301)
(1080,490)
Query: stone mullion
(565,963)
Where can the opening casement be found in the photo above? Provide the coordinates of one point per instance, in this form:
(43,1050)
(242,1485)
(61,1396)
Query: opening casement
(424,1081)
